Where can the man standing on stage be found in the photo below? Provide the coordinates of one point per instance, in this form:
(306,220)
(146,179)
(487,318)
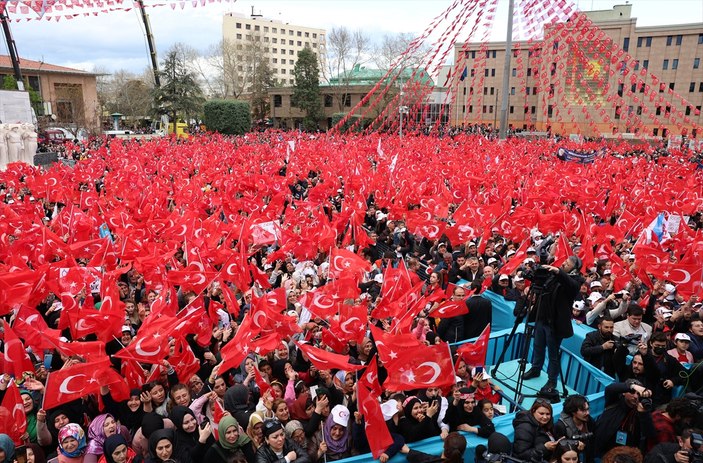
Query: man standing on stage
(552,312)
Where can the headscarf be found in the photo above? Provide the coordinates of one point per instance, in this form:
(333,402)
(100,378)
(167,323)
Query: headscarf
(150,423)
(408,407)
(75,431)
(39,455)
(225,423)
(336,446)
(298,407)
(183,438)
(96,434)
(31,416)
(8,446)
(159,435)
(291,427)
(132,420)
(254,419)
(111,444)
(237,398)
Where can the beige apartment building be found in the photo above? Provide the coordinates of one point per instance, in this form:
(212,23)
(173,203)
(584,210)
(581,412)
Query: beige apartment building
(254,37)
(575,83)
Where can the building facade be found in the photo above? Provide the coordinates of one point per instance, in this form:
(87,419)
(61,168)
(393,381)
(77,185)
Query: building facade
(255,37)
(69,96)
(577,84)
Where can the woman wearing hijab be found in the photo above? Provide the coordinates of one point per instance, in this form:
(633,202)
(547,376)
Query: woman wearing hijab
(418,423)
(102,427)
(463,415)
(72,444)
(31,407)
(452,451)
(238,404)
(35,454)
(246,377)
(117,450)
(7,449)
(337,435)
(191,441)
(232,446)
(255,430)
(129,413)
(162,446)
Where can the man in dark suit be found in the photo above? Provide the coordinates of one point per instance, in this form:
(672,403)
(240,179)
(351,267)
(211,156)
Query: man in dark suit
(480,312)
(599,346)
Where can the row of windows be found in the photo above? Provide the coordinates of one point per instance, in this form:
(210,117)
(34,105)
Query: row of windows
(275,30)
(328,100)
(647,41)
(488,109)
(692,87)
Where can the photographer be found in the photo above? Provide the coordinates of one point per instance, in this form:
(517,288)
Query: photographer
(599,346)
(552,314)
(577,426)
(668,423)
(687,450)
(627,418)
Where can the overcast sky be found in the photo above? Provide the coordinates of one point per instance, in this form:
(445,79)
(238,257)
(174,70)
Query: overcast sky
(115,40)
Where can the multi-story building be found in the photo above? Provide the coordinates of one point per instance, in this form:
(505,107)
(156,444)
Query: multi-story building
(69,96)
(255,37)
(578,83)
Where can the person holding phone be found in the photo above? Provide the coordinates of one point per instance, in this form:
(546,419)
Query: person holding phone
(534,432)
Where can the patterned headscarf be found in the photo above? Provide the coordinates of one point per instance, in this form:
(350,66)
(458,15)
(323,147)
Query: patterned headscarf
(96,433)
(75,431)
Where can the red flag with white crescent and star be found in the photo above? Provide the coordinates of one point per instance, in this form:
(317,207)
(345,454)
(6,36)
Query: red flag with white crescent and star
(325,360)
(427,366)
(13,420)
(377,433)
(474,353)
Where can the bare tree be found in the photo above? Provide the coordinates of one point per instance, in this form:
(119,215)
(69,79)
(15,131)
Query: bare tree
(398,50)
(126,93)
(345,50)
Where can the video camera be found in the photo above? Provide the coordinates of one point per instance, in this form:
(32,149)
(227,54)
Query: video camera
(573,441)
(695,455)
(630,340)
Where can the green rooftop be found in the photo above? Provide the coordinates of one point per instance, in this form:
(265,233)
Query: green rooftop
(364,76)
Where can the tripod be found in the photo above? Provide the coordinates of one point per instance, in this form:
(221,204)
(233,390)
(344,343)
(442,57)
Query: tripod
(534,304)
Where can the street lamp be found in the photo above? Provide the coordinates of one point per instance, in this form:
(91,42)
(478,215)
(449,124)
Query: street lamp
(402,110)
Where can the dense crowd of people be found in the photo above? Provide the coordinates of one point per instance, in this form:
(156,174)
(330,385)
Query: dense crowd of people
(227,387)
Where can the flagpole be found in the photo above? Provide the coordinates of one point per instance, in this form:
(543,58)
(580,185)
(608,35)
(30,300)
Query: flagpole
(43,397)
(503,133)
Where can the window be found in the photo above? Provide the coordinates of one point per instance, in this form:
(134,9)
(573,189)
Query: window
(700,39)
(534,91)
(283,31)
(669,40)
(529,72)
(675,64)
(493,72)
(274,30)
(266,40)
(307,34)
(290,42)
(274,50)
(644,42)
(550,111)
(679,39)
(291,81)
(471,108)
(555,46)
(274,40)
(648,42)
(688,111)
(291,52)
(347,99)
(485,109)
(300,44)
(665,65)
(527,90)
(696,63)
(485,90)
(463,108)
(490,109)
(473,72)
(512,90)
(514,73)
(639,42)
(672,85)
(248,27)
(692,87)
(464,91)
(277,101)
(239,25)
(266,28)
(645,64)
(621,89)
(283,51)
(300,34)
(485,71)
(626,44)
(700,87)
(283,71)
(512,109)
(239,36)
(533,109)
(274,60)
(328,101)
(256,28)
(314,35)
(618,109)
(290,32)
(493,90)
(637,65)
(658,112)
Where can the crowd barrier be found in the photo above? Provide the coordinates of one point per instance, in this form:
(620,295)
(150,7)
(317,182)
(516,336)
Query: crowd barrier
(579,375)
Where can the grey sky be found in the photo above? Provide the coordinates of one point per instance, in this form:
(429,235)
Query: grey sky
(116,40)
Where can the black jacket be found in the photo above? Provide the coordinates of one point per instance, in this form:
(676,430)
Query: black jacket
(480,314)
(530,438)
(556,301)
(264,454)
(662,453)
(218,454)
(565,427)
(451,329)
(413,430)
(593,352)
(618,416)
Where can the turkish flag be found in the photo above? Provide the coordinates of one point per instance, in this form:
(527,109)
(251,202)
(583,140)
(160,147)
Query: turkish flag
(13,420)
(184,361)
(148,347)
(389,345)
(563,251)
(17,360)
(346,263)
(474,354)
(377,433)
(427,366)
(31,326)
(72,383)
(321,302)
(369,378)
(516,260)
(133,373)
(324,360)
(450,308)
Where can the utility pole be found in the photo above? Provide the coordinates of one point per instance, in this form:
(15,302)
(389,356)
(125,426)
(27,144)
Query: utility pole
(12,48)
(150,41)
(503,134)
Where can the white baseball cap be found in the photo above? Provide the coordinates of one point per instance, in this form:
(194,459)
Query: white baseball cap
(340,415)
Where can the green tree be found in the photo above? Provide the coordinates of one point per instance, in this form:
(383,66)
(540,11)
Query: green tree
(10,83)
(228,117)
(180,93)
(306,93)
(261,82)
